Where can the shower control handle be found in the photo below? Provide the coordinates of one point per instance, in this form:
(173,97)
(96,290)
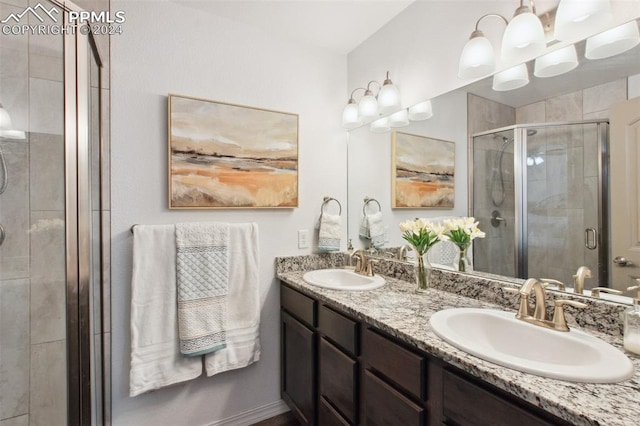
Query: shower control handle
(622,261)
(496,219)
(2,234)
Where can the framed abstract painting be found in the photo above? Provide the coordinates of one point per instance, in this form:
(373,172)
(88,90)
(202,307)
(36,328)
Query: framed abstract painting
(423,171)
(223,155)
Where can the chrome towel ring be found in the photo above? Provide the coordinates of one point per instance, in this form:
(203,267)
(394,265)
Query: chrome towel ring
(326,201)
(368,200)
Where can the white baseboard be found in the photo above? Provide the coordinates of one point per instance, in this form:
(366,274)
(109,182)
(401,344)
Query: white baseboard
(254,416)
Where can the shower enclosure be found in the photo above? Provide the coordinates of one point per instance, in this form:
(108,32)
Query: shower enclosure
(53,302)
(540,194)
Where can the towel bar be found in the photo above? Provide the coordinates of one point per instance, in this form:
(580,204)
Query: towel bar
(326,200)
(367,200)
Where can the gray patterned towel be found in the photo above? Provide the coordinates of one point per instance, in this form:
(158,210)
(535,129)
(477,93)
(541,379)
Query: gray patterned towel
(202,263)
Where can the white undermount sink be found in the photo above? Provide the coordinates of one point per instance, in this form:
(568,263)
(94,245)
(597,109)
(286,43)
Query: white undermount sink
(342,279)
(499,337)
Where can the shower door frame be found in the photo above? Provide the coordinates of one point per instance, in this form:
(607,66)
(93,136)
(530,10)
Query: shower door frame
(520,190)
(79,48)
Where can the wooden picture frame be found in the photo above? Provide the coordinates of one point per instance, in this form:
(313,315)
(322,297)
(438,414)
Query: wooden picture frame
(423,171)
(224,156)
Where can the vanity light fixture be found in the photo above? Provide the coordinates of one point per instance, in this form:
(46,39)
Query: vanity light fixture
(613,42)
(421,111)
(577,18)
(371,106)
(524,37)
(477,58)
(557,62)
(511,78)
(6,126)
(399,119)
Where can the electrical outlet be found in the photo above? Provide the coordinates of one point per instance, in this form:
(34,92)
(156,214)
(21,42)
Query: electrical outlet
(303,239)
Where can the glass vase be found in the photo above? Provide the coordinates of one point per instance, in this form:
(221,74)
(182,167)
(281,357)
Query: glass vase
(464,263)
(423,272)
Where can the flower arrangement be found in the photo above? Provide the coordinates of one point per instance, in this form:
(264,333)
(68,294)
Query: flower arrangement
(423,234)
(461,231)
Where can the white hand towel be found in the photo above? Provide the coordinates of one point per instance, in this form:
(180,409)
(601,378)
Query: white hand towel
(330,231)
(376,229)
(156,360)
(243,303)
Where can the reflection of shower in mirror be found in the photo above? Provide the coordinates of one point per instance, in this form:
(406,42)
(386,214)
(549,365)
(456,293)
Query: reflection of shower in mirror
(499,199)
(5,173)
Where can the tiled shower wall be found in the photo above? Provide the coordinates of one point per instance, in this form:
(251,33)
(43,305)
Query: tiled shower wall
(32,259)
(495,252)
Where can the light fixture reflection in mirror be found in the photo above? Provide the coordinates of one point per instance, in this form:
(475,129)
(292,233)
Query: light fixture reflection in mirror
(399,119)
(381,125)
(557,62)
(511,78)
(421,111)
(613,42)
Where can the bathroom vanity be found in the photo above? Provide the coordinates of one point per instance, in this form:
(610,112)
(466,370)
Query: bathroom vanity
(370,358)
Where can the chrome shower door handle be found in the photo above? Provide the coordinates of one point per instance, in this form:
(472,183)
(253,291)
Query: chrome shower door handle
(2,234)
(591,243)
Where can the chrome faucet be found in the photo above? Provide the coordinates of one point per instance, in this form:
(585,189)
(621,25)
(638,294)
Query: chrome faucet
(539,316)
(578,279)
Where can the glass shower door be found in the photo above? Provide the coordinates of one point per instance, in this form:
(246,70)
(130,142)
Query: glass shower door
(564,207)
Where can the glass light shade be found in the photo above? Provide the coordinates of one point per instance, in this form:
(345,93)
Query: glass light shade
(421,111)
(613,42)
(367,107)
(388,99)
(576,19)
(557,62)
(512,78)
(477,58)
(381,125)
(523,39)
(399,119)
(5,119)
(350,118)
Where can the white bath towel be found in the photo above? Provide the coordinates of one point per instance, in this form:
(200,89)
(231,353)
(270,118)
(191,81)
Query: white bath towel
(202,264)
(329,233)
(375,225)
(243,303)
(156,360)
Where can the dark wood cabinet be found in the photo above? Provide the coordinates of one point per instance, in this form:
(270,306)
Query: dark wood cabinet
(340,371)
(298,369)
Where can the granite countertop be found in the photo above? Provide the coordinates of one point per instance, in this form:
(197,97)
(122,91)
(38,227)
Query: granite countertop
(399,310)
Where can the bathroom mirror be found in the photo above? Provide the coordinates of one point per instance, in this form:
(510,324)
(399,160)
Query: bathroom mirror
(582,94)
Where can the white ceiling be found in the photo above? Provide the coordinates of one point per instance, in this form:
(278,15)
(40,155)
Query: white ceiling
(338,25)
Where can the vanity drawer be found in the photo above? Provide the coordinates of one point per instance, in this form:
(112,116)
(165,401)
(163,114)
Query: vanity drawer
(466,403)
(402,366)
(298,305)
(383,405)
(339,329)
(328,416)
(338,380)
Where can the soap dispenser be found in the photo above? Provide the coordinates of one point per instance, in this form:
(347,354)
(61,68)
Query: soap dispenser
(631,340)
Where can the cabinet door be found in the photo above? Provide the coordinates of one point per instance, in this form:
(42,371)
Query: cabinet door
(298,369)
(338,385)
(385,406)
